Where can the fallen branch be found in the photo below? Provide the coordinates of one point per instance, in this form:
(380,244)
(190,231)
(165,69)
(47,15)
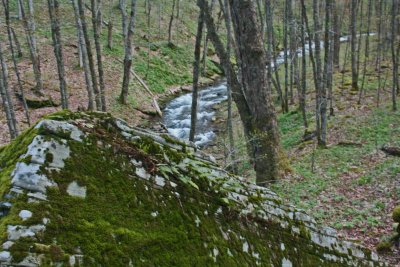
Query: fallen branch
(392,151)
(155,103)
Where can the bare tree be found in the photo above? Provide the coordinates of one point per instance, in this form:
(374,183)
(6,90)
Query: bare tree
(128,55)
(196,68)
(171,20)
(353,40)
(318,70)
(270,47)
(269,157)
(84,54)
(232,149)
(303,70)
(88,46)
(96,22)
(57,45)
(366,50)
(17,43)
(124,16)
(29,26)
(395,53)
(6,98)
(16,70)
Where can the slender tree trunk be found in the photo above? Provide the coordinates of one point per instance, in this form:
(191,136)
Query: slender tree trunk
(270,50)
(336,29)
(323,90)
(32,24)
(379,51)
(366,51)
(159,19)
(19,9)
(318,72)
(110,35)
(232,151)
(394,27)
(96,34)
(13,56)
(17,43)
(56,36)
(89,55)
(303,71)
(268,154)
(148,37)
(353,41)
(29,27)
(292,50)
(196,67)
(6,98)
(285,55)
(124,15)
(83,49)
(128,55)
(171,20)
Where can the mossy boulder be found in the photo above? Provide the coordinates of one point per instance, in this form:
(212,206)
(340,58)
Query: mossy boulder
(396,214)
(86,189)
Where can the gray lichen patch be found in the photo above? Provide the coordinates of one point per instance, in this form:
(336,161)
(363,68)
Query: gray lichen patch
(76,191)
(61,128)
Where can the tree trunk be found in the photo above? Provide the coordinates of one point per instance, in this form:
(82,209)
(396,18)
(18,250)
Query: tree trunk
(29,27)
(6,98)
(110,35)
(89,55)
(19,9)
(232,79)
(268,153)
(303,71)
(336,37)
(317,73)
(84,53)
(285,55)
(56,36)
(17,43)
(13,56)
(171,20)
(232,151)
(270,50)
(32,24)
(97,42)
(196,67)
(124,15)
(394,40)
(379,51)
(353,29)
(326,75)
(366,52)
(128,55)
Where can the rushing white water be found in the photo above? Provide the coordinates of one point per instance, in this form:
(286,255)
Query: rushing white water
(178,112)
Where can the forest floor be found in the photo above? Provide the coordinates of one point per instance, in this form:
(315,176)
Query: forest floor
(351,185)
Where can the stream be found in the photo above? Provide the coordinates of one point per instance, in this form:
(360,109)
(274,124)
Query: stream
(177,112)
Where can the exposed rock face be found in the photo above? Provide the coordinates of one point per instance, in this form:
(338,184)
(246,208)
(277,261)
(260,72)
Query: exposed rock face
(88,190)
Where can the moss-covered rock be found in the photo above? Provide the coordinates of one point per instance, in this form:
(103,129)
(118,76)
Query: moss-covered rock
(396,214)
(101,193)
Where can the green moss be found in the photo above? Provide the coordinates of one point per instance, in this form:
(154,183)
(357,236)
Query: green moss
(396,214)
(384,247)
